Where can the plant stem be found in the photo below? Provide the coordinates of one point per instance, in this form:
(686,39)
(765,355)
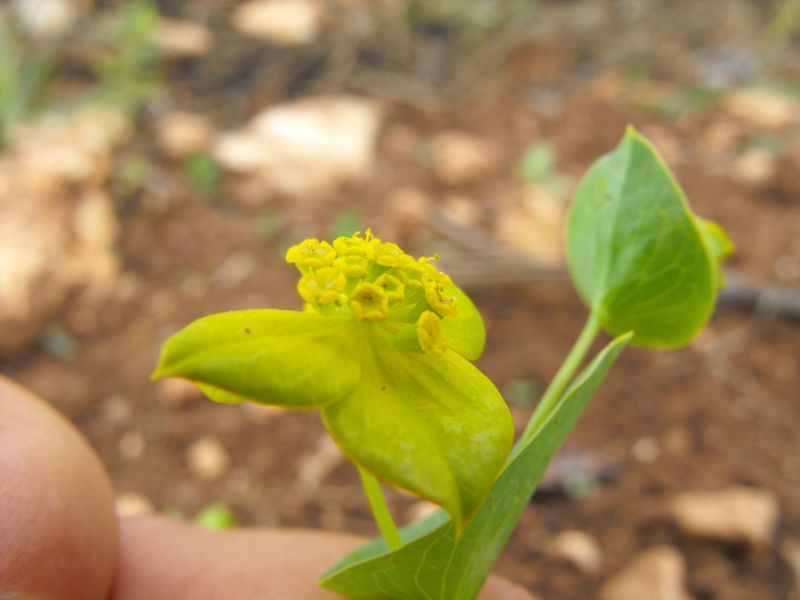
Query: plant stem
(564,375)
(380,511)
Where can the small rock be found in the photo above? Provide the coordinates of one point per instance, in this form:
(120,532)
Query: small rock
(116,411)
(132,445)
(304,148)
(578,548)
(459,157)
(208,460)
(46,19)
(410,206)
(131,504)
(177,392)
(182,39)
(315,467)
(762,108)
(282,22)
(462,210)
(181,134)
(738,515)
(419,511)
(646,450)
(533,226)
(754,167)
(658,573)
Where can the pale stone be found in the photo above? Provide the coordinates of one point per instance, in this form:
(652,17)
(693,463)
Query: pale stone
(304,148)
(763,108)
(462,210)
(282,22)
(317,465)
(57,222)
(419,511)
(177,392)
(47,19)
(181,134)
(132,445)
(738,515)
(646,450)
(208,460)
(578,548)
(658,573)
(182,38)
(458,157)
(755,167)
(131,504)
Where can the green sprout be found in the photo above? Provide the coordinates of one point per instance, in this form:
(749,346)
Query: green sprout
(383,349)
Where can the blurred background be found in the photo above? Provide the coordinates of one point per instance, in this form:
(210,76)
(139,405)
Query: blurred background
(157,159)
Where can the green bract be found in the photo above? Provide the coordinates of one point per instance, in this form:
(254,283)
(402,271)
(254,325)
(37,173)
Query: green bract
(639,257)
(383,349)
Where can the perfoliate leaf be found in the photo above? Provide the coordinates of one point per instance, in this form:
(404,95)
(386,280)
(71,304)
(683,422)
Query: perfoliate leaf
(638,256)
(464,331)
(434,425)
(435,564)
(287,358)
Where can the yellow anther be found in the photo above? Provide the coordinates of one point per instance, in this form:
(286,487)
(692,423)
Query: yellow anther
(369,302)
(311,253)
(322,287)
(435,295)
(391,286)
(429,334)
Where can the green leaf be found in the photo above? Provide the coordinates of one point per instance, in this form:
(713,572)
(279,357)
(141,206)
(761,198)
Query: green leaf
(638,256)
(434,425)
(289,358)
(719,245)
(464,331)
(437,565)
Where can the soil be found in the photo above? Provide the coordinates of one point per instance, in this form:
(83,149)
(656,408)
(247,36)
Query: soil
(723,411)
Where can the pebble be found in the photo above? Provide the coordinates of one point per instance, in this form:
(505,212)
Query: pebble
(304,148)
(131,504)
(177,392)
(132,445)
(181,39)
(657,573)
(317,465)
(646,450)
(182,133)
(737,515)
(578,548)
(762,108)
(208,460)
(419,511)
(754,167)
(459,157)
(281,22)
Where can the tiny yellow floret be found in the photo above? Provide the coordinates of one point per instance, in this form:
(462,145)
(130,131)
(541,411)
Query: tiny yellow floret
(311,254)
(323,286)
(429,334)
(369,302)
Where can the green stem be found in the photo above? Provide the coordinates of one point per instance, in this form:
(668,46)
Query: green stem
(562,378)
(380,511)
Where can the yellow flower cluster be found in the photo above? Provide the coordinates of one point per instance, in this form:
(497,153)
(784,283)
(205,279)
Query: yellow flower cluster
(377,282)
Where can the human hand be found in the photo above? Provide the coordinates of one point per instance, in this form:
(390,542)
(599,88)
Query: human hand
(61,540)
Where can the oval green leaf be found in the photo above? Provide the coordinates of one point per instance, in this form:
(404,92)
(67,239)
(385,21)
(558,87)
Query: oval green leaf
(434,425)
(435,563)
(281,357)
(638,256)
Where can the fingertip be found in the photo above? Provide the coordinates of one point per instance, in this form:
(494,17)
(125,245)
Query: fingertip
(56,505)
